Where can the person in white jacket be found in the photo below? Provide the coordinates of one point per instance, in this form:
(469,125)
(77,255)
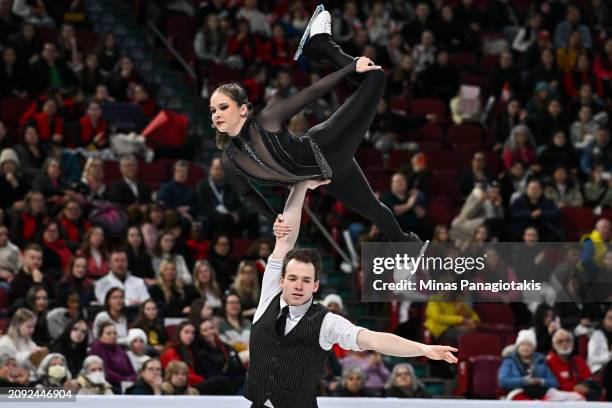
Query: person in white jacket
(133,287)
(600,344)
(18,342)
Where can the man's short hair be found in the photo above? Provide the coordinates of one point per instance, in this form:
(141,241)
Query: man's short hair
(305,255)
(117,250)
(33,247)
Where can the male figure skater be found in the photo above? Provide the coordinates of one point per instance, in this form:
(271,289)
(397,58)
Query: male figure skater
(291,335)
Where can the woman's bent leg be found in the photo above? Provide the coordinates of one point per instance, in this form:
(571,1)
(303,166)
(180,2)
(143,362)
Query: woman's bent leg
(352,189)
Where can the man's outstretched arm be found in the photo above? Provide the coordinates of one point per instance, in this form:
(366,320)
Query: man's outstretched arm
(392,345)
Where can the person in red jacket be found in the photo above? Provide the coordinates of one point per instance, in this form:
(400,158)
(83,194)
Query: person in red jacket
(571,371)
(49,124)
(181,349)
(93,128)
(279,50)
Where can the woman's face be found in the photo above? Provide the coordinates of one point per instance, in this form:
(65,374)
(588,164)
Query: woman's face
(96,170)
(248,275)
(222,246)
(73,302)
(51,233)
(583,64)
(133,238)
(78,332)
(167,243)
(206,312)
(41,300)
(27,328)
(481,234)
(94,367)
(521,138)
(179,379)
(574,39)
(403,379)
(152,374)
(187,335)
(212,22)
(225,113)
(109,335)
(204,274)
(109,41)
(354,383)
(137,346)
(91,61)
(168,274)
(607,321)
(157,216)
(525,349)
(97,238)
(30,135)
(584,114)
(208,331)
(115,301)
(232,306)
(79,268)
(53,169)
(547,58)
(443,235)
(37,203)
(150,311)
(264,250)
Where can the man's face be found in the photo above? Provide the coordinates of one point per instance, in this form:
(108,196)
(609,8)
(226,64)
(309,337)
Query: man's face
(216,171)
(181,174)
(119,263)
(563,344)
(33,259)
(299,283)
(129,168)
(49,53)
(534,191)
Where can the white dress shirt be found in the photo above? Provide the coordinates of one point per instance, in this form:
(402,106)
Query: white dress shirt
(133,287)
(334,329)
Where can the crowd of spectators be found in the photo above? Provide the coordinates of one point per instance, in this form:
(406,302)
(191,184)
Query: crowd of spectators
(126,286)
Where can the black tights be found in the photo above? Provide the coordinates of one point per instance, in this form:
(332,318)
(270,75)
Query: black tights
(340,136)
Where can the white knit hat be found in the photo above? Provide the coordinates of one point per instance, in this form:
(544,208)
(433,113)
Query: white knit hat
(9,154)
(526,335)
(333,298)
(134,334)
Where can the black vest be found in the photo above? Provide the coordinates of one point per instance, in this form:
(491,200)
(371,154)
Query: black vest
(285,369)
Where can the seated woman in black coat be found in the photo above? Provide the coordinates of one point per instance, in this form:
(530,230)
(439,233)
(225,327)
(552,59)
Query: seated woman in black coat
(149,380)
(215,359)
(72,344)
(139,260)
(169,293)
(403,383)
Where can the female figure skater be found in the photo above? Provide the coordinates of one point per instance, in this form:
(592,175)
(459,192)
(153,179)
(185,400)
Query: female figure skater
(258,147)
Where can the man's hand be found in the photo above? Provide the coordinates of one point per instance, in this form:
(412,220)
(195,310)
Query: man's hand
(37,276)
(440,353)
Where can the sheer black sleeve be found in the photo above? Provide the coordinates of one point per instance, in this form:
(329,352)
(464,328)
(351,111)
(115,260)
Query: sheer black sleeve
(246,189)
(277,112)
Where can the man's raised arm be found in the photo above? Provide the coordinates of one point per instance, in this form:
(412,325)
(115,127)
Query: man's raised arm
(287,225)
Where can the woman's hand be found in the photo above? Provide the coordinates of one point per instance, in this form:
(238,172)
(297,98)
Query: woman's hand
(312,184)
(365,64)
(280,228)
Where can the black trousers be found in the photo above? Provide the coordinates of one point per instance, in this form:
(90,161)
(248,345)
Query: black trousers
(340,136)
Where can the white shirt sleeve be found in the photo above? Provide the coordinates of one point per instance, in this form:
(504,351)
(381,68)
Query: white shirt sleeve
(337,329)
(270,286)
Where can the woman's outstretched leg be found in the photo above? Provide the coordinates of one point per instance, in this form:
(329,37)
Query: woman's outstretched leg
(352,189)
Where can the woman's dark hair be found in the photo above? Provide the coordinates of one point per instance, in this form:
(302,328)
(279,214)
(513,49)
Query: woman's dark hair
(64,342)
(141,248)
(538,323)
(30,300)
(236,93)
(253,251)
(217,237)
(108,296)
(183,350)
(195,311)
(229,293)
(103,325)
(142,321)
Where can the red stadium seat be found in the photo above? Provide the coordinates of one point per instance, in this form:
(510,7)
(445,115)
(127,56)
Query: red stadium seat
(577,221)
(196,174)
(241,246)
(430,133)
(439,214)
(369,157)
(484,376)
(463,59)
(466,133)
(399,105)
(4,302)
(495,313)
(111,172)
(425,106)
(154,173)
(478,344)
(87,39)
(448,159)
(13,109)
(399,158)
(583,346)
(444,183)
(379,178)
(489,62)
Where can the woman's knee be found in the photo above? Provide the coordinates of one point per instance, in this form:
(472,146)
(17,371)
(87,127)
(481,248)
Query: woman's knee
(378,76)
